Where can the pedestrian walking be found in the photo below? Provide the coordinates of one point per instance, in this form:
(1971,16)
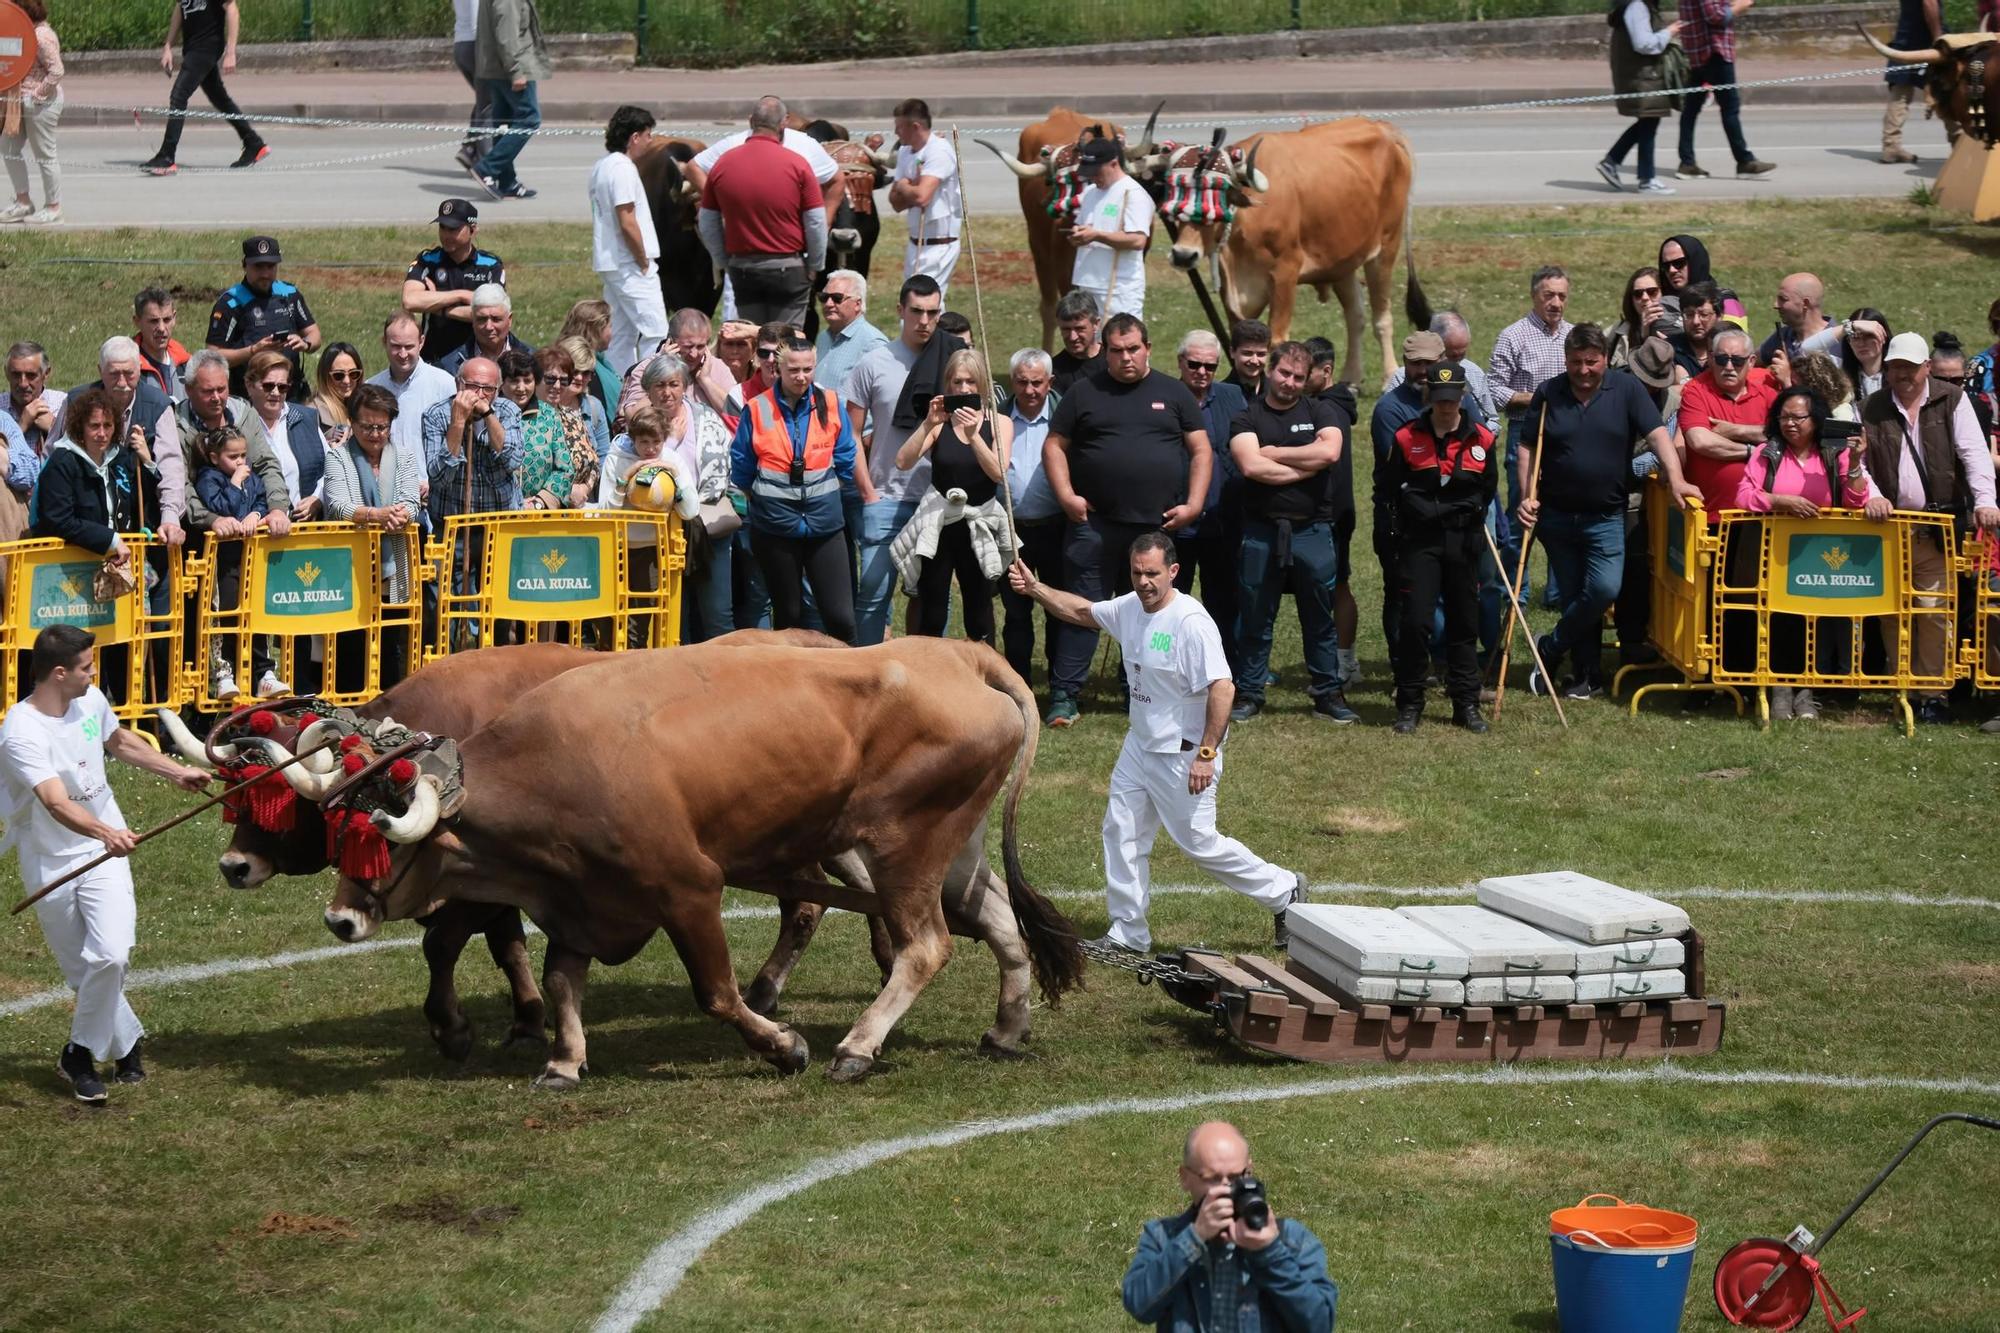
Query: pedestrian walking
(1919,23)
(464,54)
(1709,27)
(206,30)
(33,109)
(1639,70)
(510,56)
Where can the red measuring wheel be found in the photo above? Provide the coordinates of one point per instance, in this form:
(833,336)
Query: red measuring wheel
(1745,1269)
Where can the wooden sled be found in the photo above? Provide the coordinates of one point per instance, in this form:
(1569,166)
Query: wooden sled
(1288,1011)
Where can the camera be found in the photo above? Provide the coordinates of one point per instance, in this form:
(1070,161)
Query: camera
(954,401)
(1833,429)
(1246,1196)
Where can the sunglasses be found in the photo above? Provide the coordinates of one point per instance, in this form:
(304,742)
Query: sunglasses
(1951,379)
(1208,366)
(1677,263)
(766,353)
(1730,361)
(343,376)
(559,381)
(1645,291)
(275,386)
(835,298)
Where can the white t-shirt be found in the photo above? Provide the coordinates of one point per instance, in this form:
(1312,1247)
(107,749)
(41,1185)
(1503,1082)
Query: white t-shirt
(935,158)
(824,168)
(1120,207)
(465,25)
(35,747)
(1171,657)
(426,387)
(614,182)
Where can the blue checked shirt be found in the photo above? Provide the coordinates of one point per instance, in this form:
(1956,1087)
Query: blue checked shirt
(496,482)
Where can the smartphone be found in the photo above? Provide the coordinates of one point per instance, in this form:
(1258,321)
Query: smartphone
(954,401)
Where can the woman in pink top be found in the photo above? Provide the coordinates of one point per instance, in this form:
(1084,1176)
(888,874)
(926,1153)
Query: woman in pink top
(34,109)
(1795,474)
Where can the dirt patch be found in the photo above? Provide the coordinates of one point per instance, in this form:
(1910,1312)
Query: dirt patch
(571,1117)
(443,1210)
(305,1224)
(1478,1161)
(1344,823)
(1006,268)
(1753,1154)
(1724,774)
(1979,974)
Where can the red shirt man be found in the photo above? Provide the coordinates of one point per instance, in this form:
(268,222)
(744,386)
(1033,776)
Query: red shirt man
(763,191)
(1722,417)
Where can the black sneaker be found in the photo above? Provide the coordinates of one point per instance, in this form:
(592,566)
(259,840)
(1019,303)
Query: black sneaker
(1753,167)
(1333,707)
(1407,718)
(515,191)
(131,1067)
(1690,172)
(486,183)
(1281,929)
(1469,717)
(1546,647)
(251,156)
(1583,687)
(77,1069)
(159,164)
(468,157)
(1246,709)
(1934,712)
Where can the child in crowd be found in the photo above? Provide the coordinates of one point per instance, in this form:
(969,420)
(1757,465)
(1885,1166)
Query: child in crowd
(641,473)
(231,489)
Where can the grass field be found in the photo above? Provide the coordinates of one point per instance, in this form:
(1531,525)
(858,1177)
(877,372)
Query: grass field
(301,1158)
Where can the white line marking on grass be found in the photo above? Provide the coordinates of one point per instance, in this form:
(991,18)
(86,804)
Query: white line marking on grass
(665,1268)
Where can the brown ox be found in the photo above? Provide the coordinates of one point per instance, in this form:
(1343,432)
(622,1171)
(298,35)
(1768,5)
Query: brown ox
(687,275)
(1964,78)
(889,756)
(459,694)
(1045,164)
(1327,206)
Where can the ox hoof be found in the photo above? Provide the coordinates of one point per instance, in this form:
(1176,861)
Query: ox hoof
(794,1058)
(762,998)
(455,1044)
(993,1048)
(849,1068)
(554,1080)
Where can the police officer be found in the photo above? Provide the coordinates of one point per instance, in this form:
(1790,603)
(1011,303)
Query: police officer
(437,291)
(261,312)
(1435,487)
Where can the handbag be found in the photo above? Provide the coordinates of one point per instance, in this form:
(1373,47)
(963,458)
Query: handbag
(719,518)
(112,581)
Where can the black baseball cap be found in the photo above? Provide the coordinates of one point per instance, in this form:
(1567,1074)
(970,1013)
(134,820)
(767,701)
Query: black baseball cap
(1446,379)
(261,250)
(1098,151)
(455,213)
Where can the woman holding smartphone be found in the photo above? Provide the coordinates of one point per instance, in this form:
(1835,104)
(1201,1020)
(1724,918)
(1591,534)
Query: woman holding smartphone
(969,447)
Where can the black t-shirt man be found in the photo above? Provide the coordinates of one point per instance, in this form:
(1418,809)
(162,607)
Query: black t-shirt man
(202,24)
(1128,444)
(1587,451)
(1066,368)
(1313,500)
(442,334)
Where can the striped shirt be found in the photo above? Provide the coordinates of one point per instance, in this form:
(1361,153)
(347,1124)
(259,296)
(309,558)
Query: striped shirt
(1524,355)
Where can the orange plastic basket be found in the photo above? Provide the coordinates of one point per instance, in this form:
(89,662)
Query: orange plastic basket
(1623,1225)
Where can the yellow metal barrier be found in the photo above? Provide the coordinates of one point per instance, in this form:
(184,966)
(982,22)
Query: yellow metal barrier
(1682,626)
(605,578)
(1793,597)
(336,609)
(48,582)
(1981,654)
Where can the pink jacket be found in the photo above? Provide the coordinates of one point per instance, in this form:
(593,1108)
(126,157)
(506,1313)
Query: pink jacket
(1798,476)
(47,71)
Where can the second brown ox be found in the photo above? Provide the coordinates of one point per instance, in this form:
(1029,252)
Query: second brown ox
(618,800)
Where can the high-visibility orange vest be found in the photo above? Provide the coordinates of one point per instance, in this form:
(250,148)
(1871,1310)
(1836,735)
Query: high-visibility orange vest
(786,473)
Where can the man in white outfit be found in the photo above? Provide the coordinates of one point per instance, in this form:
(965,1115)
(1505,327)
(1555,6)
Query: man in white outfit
(1172,757)
(925,190)
(61,814)
(1114,220)
(624,248)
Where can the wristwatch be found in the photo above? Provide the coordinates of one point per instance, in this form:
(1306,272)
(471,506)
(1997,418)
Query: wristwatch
(1206,752)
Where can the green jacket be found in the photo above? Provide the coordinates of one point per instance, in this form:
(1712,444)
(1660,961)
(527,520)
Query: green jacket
(1642,82)
(509,44)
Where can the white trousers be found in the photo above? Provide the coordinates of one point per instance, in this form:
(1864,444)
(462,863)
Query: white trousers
(935,260)
(1149,791)
(89,924)
(638,315)
(37,136)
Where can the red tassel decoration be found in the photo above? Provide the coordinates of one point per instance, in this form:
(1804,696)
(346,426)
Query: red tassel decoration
(355,845)
(263,722)
(349,742)
(270,800)
(402,772)
(353,763)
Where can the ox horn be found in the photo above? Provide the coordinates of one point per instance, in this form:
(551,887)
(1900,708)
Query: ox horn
(317,743)
(1039,171)
(182,739)
(1253,178)
(418,821)
(1145,147)
(310,785)
(1900,57)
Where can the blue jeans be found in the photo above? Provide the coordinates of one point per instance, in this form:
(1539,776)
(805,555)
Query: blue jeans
(1726,101)
(1507,528)
(1587,557)
(520,111)
(876,577)
(752,599)
(708,599)
(1639,134)
(1261,586)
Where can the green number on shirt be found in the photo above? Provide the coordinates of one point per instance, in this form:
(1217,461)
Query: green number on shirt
(1162,642)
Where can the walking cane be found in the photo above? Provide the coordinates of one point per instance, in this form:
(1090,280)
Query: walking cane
(1520,572)
(1533,651)
(158,829)
(979,310)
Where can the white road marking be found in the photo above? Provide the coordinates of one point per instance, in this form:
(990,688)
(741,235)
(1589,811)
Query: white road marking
(664,1269)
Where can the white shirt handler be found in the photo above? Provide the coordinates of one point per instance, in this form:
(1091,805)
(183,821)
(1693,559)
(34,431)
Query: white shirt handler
(1171,760)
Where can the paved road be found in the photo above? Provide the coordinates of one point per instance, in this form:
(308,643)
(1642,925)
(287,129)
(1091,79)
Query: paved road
(316,178)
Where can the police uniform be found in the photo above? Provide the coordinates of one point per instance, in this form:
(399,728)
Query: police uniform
(442,334)
(1172,656)
(242,317)
(89,922)
(1436,492)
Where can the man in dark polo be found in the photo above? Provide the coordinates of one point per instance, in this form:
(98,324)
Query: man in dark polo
(261,312)
(1286,444)
(1127,452)
(1576,506)
(437,290)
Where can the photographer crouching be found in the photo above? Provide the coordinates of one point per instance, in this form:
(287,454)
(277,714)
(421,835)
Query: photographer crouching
(1228,1262)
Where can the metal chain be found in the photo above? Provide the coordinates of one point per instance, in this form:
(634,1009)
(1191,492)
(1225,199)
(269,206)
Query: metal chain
(1148,970)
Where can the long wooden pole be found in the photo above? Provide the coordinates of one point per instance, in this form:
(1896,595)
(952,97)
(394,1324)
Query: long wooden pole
(1514,611)
(985,347)
(158,829)
(1533,651)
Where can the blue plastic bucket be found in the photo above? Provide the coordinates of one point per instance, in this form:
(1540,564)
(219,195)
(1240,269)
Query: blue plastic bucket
(1606,1289)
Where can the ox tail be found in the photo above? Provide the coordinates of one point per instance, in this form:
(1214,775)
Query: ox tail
(1416,306)
(1047,933)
